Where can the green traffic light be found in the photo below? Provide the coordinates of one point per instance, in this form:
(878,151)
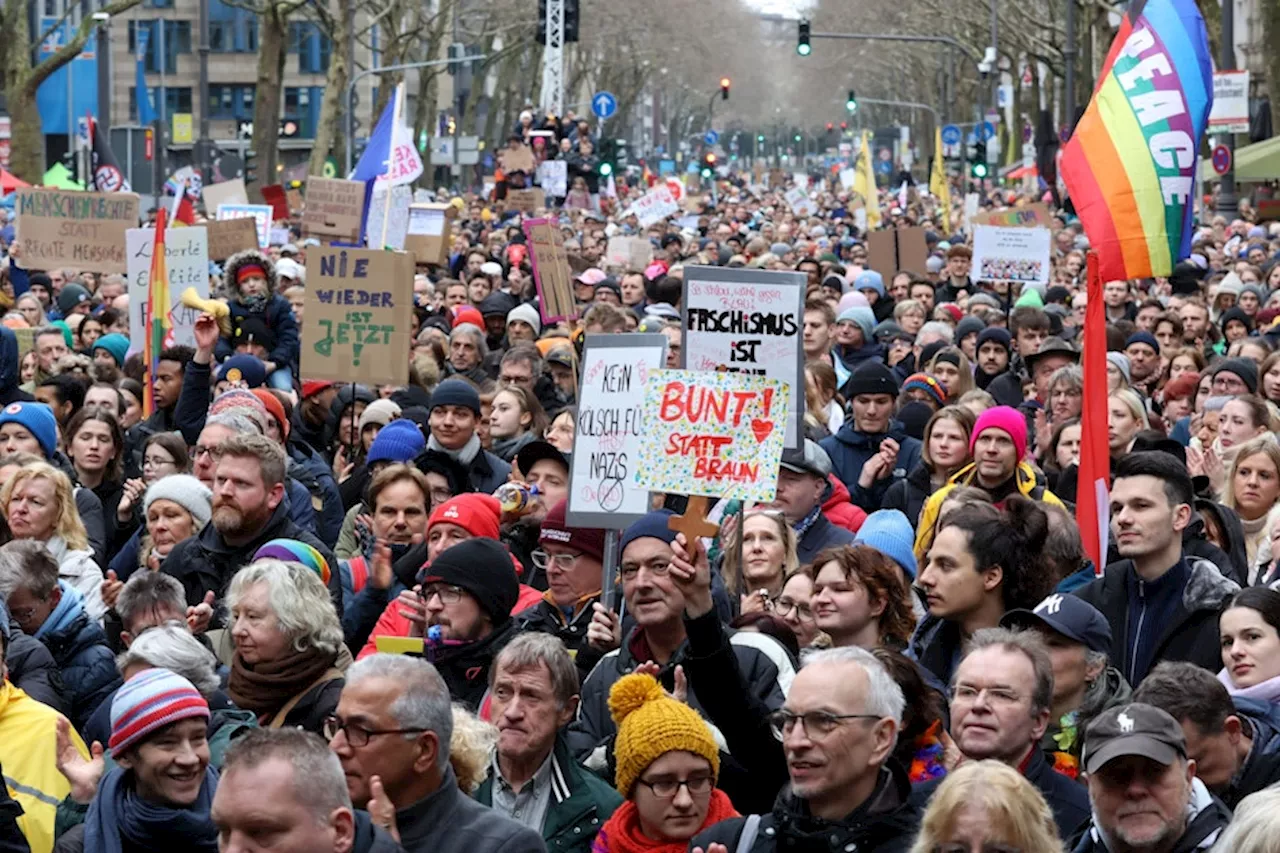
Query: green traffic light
(760,138)
(797,137)
(804,49)
(606,169)
(979,170)
(851,106)
(706,173)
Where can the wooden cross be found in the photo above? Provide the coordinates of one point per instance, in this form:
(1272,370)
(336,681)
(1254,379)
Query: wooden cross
(693,524)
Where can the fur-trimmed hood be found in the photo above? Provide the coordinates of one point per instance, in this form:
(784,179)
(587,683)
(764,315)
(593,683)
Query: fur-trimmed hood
(238,260)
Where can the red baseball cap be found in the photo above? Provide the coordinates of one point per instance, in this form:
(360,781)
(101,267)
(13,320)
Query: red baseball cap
(314,386)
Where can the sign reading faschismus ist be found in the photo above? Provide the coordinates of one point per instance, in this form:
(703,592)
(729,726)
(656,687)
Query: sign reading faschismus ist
(748,321)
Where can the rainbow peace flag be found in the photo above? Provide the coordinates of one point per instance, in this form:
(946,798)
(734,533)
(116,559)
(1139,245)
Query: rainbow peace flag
(159,326)
(1130,167)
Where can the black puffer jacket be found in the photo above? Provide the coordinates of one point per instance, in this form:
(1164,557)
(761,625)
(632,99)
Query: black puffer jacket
(909,494)
(87,664)
(31,666)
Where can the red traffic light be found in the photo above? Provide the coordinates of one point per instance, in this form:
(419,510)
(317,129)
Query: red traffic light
(724,88)
(710,158)
(844,125)
(830,126)
(724,82)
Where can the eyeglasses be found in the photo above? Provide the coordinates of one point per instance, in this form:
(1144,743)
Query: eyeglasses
(541,559)
(202,450)
(816,723)
(358,736)
(658,566)
(785,605)
(665,789)
(448,593)
(157,462)
(995,695)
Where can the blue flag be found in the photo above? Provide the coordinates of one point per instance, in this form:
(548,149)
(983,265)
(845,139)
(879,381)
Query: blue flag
(146,112)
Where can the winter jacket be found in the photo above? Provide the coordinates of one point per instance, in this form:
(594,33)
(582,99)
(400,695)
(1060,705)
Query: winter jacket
(1264,720)
(308,468)
(909,494)
(885,823)
(1207,817)
(31,666)
(1028,481)
(1189,634)
(846,361)
(580,803)
(839,508)
(369,838)
(205,562)
(850,449)
(88,666)
(937,646)
(448,821)
(487,472)
(822,534)
(11,838)
(28,753)
(78,569)
(759,686)
(546,617)
(1066,734)
(10,369)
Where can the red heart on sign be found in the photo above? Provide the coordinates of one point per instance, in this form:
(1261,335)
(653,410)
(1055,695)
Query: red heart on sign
(761,429)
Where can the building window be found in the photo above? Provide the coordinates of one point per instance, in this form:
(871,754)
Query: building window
(232,29)
(231,101)
(177,99)
(311,45)
(177,40)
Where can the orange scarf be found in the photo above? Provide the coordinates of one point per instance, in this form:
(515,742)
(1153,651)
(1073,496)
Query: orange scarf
(622,833)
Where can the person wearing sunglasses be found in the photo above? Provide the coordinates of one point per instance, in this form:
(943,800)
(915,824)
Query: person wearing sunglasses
(667,766)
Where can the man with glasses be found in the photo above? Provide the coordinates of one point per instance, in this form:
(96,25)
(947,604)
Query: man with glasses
(1235,376)
(733,678)
(1000,703)
(837,730)
(391,732)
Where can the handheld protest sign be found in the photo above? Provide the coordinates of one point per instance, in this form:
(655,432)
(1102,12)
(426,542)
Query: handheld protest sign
(550,270)
(333,209)
(187,260)
(693,523)
(59,228)
(228,236)
(748,321)
(717,434)
(259,213)
(359,306)
(430,227)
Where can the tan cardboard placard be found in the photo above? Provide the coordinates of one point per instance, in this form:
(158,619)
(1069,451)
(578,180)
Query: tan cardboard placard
(430,231)
(913,251)
(228,236)
(1035,215)
(526,201)
(889,252)
(550,270)
(518,159)
(359,310)
(227,192)
(295,201)
(334,208)
(85,231)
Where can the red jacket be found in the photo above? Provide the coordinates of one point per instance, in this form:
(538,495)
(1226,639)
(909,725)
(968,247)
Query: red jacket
(392,624)
(839,509)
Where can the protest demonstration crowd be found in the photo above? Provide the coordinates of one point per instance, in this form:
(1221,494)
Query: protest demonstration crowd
(738,516)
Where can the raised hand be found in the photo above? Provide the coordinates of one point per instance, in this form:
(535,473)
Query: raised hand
(111,587)
(604,633)
(82,773)
(199,617)
(381,809)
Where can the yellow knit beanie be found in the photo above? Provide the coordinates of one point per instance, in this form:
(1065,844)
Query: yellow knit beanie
(650,724)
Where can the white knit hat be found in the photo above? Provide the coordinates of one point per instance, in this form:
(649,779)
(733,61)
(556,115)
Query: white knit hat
(187,492)
(526,313)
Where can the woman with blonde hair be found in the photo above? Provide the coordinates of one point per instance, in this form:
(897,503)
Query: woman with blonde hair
(768,556)
(987,805)
(471,749)
(822,396)
(1126,417)
(945,451)
(952,368)
(39,503)
(1252,489)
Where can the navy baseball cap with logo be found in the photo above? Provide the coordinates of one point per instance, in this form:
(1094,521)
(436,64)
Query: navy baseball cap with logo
(1133,729)
(1072,617)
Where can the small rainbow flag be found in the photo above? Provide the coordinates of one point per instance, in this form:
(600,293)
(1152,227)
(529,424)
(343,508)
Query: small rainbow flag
(159,327)
(1130,167)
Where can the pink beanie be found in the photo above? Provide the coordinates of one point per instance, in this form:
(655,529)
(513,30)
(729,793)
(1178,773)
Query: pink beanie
(1003,418)
(852,299)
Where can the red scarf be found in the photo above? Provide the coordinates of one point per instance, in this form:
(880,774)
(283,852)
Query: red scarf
(622,833)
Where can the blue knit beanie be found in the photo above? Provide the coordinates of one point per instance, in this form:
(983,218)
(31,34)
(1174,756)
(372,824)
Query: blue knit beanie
(889,532)
(653,526)
(456,392)
(398,441)
(864,317)
(116,344)
(869,280)
(39,421)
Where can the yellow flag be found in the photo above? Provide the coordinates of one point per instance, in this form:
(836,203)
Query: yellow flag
(938,182)
(864,184)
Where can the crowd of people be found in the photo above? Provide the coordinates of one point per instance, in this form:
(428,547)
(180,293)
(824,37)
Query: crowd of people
(283,613)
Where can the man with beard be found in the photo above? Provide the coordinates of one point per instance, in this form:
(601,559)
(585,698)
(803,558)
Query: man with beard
(249,510)
(994,344)
(1143,351)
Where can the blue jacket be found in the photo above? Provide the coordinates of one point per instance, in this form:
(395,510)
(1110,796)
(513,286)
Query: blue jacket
(88,667)
(279,318)
(849,451)
(1265,719)
(310,470)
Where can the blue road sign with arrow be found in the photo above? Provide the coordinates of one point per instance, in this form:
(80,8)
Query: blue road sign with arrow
(951,135)
(604,104)
(988,131)
(711,137)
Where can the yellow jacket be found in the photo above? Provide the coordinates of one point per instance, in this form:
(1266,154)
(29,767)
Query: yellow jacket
(29,755)
(1029,481)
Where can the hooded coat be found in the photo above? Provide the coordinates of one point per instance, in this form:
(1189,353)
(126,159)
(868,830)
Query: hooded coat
(850,449)
(278,313)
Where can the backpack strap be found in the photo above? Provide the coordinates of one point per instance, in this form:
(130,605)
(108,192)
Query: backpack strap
(749,831)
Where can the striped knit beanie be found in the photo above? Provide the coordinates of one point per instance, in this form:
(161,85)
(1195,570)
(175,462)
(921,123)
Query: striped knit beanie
(293,551)
(148,702)
(926,383)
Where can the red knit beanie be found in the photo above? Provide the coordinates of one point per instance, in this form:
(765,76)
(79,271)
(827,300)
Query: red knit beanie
(1003,418)
(248,270)
(475,513)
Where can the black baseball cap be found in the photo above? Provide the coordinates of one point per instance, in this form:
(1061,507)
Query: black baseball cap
(1133,729)
(535,452)
(1068,615)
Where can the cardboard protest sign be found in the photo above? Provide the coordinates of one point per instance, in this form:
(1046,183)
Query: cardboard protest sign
(186,253)
(396,213)
(259,213)
(294,197)
(550,270)
(274,196)
(799,202)
(553,177)
(227,192)
(712,434)
(747,321)
(228,236)
(1036,215)
(1011,254)
(526,201)
(889,252)
(610,427)
(519,159)
(628,253)
(74,229)
(429,232)
(654,206)
(334,209)
(359,310)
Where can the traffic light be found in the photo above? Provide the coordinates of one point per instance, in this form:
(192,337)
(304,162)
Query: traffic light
(608,155)
(830,126)
(797,137)
(708,164)
(844,125)
(724,88)
(760,138)
(803,47)
(570,22)
(978,165)
(851,103)
(250,167)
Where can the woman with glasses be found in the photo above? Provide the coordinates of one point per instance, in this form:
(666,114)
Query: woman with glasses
(987,807)
(795,607)
(163,453)
(768,555)
(289,655)
(667,766)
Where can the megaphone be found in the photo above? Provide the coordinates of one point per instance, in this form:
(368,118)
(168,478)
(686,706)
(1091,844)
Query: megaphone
(216,307)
